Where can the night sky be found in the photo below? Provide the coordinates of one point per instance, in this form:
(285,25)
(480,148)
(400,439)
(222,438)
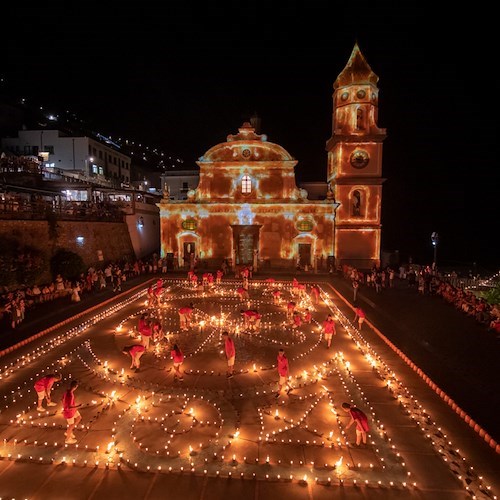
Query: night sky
(182,78)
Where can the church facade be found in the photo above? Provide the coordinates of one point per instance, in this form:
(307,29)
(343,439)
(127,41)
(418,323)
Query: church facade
(248,210)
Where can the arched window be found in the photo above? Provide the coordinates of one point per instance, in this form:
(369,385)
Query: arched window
(356,203)
(360,119)
(246,184)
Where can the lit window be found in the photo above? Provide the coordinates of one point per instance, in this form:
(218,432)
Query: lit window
(189,225)
(246,184)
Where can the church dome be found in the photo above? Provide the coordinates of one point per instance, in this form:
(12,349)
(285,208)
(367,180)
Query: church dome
(246,146)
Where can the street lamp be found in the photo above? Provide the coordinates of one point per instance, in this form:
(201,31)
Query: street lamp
(435,240)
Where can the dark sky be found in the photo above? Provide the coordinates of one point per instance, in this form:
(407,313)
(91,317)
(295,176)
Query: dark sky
(183,77)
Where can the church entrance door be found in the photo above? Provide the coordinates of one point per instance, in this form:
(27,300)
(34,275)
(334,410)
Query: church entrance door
(304,255)
(245,244)
(189,254)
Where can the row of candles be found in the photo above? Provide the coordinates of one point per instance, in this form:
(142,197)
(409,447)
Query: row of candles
(371,359)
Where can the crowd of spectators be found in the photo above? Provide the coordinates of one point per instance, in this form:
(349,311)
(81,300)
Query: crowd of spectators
(426,280)
(16,304)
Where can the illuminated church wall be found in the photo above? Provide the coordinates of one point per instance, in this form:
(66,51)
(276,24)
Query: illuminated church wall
(362,204)
(358,245)
(276,182)
(248,209)
(340,161)
(276,229)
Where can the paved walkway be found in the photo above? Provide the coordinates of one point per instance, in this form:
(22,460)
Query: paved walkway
(455,351)
(419,435)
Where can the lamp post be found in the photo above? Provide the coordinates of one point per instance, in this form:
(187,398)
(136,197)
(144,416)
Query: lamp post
(435,240)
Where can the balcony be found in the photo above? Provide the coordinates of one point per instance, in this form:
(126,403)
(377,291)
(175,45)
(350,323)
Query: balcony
(21,209)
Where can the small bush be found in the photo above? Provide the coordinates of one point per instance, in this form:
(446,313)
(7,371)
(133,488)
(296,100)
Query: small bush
(66,263)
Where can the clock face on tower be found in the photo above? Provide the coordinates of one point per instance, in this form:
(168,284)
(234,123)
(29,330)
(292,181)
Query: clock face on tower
(359,158)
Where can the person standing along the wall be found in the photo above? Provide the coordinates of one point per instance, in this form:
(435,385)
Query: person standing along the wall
(75,292)
(117,283)
(355,287)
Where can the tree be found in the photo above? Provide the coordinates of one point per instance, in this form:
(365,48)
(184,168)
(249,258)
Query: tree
(20,265)
(492,296)
(67,263)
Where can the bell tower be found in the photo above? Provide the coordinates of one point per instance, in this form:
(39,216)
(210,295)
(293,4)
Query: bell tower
(355,164)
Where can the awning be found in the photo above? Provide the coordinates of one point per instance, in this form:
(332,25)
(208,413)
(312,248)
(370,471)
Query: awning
(27,189)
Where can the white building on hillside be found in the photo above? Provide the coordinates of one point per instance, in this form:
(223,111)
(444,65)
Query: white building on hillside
(83,157)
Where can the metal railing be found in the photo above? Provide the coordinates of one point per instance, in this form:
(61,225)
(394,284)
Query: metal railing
(11,209)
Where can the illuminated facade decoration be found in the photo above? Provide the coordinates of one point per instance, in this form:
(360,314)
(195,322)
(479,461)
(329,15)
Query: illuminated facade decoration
(189,224)
(247,208)
(355,163)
